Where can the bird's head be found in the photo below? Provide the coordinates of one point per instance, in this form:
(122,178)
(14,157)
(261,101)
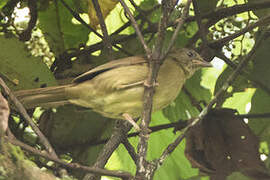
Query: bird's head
(189,60)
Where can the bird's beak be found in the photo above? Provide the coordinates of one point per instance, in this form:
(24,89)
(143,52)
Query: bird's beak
(201,63)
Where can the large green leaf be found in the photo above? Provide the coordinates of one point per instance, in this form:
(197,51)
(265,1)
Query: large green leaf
(261,99)
(21,70)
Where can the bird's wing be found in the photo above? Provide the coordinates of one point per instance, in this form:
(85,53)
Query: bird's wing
(108,66)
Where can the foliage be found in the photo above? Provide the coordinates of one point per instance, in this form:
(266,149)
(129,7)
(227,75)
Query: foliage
(63,45)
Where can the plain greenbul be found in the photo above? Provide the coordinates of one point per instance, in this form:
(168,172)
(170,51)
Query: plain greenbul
(117,87)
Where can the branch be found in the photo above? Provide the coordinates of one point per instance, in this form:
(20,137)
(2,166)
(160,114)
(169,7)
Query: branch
(106,37)
(254,116)
(23,112)
(142,170)
(244,73)
(219,14)
(75,166)
(120,133)
(26,34)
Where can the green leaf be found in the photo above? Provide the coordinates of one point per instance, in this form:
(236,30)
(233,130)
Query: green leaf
(60,28)
(21,70)
(3,3)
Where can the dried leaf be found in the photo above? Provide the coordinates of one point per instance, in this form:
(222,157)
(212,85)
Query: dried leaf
(106,7)
(222,143)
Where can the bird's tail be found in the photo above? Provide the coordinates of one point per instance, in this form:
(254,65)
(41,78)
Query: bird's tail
(44,97)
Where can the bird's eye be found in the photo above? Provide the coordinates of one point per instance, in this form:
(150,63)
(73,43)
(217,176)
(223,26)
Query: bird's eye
(191,54)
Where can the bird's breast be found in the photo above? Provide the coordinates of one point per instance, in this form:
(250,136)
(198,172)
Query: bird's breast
(170,80)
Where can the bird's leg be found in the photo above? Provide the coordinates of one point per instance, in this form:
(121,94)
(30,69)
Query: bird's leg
(131,121)
(124,86)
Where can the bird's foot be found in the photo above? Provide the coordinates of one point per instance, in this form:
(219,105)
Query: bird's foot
(155,84)
(131,121)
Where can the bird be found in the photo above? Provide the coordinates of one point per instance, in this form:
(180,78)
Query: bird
(116,88)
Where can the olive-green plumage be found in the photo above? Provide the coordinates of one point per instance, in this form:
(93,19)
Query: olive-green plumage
(117,87)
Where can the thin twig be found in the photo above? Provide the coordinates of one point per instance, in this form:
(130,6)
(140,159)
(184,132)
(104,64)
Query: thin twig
(126,25)
(106,37)
(130,150)
(198,18)
(136,27)
(23,112)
